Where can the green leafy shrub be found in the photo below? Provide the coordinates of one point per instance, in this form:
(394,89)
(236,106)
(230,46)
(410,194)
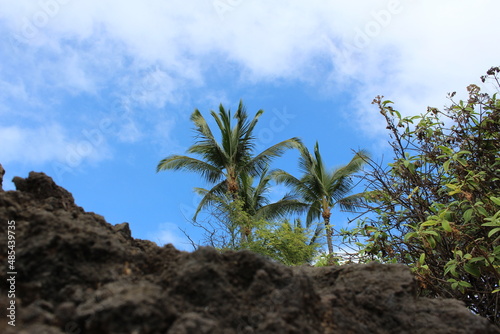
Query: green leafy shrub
(436,206)
(284,242)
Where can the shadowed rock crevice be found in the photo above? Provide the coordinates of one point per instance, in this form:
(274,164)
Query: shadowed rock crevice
(79,274)
(2,173)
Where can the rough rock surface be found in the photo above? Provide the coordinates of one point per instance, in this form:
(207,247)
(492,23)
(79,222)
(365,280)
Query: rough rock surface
(78,274)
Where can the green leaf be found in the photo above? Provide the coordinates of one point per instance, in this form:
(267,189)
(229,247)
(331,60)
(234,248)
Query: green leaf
(431,233)
(493,231)
(476,259)
(446,166)
(421,260)
(451,269)
(482,211)
(472,269)
(468,215)
(496,200)
(465,284)
(446,150)
(431,241)
(410,235)
(446,225)
(429,223)
(463,162)
(456,189)
(492,224)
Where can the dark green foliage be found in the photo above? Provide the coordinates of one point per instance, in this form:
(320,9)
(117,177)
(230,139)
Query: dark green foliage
(437,204)
(279,240)
(284,242)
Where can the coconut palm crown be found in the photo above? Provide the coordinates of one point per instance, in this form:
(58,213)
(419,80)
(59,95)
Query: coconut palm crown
(225,162)
(324,189)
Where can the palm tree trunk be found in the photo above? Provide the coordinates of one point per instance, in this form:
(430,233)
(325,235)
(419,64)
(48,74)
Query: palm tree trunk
(328,229)
(232,182)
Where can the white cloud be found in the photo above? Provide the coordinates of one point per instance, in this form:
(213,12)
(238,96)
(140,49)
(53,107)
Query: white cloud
(424,52)
(169,233)
(411,51)
(47,144)
(277,192)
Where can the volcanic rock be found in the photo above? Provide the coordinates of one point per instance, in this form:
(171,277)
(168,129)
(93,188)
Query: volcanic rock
(76,273)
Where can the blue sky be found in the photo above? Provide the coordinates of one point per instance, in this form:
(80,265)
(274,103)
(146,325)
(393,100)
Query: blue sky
(95,93)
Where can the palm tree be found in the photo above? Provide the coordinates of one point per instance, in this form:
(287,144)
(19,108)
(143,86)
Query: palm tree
(253,200)
(323,189)
(227,162)
(262,225)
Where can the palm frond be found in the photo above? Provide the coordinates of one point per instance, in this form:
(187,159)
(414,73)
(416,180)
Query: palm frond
(281,209)
(352,202)
(263,185)
(257,164)
(210,197)
(206,145)
(282,177)
(317,233)
(202,127)
(248,127)
(306,160)
(223,120)
(314,213)
(180,162)
(354,166)
(338,188)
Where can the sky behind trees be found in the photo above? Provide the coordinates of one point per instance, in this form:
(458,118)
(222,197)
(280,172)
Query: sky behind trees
(95,93)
